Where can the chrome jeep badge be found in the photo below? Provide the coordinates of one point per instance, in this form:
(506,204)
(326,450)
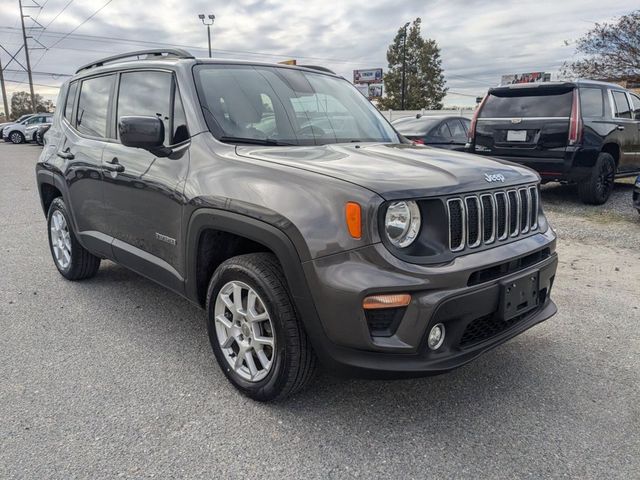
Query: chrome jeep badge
(495,177)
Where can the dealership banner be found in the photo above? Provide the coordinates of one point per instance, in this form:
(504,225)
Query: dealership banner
(371,75)
(531,77)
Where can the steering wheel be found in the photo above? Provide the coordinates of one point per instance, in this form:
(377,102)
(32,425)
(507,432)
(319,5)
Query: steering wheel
(311,131)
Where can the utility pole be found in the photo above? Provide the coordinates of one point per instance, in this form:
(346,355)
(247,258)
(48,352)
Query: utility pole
(26,54)
(4,94)
(404,62)
(212,18)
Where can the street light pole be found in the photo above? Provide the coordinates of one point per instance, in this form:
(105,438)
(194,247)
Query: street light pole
(404,62)
(208,23)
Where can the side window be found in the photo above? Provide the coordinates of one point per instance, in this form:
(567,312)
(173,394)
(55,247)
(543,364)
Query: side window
(466,123)
(457,130)
(180,129)
(146,94)
(622,105)
(93,106)
(71,98)
(636,106)
(442,132)
(591,102)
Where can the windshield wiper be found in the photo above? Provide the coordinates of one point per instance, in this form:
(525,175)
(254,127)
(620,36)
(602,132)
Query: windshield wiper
(255,141)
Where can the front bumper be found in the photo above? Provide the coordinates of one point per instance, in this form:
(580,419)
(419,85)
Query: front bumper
(440,294)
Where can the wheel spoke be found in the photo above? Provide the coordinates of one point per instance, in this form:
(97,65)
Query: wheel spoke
(224,321)
(263,359)
(228,342)
(263,341)
(248,357)
(237,298)
(228,302)
(239,360)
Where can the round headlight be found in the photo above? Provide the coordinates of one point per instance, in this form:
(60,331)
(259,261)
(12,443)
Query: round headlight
(402,223)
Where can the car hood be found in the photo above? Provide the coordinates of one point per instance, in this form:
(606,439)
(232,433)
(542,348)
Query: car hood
(398,171)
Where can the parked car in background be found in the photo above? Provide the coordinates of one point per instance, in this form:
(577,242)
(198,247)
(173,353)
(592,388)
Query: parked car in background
(440,131)
(636,194)
(585,132)
(31,132)
(16,132)
(42,129)
(19,120)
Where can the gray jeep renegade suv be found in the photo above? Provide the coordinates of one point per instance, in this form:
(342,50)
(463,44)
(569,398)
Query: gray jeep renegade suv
(278,199)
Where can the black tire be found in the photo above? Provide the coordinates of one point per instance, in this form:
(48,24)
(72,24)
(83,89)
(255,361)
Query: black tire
(294,361)
(83,264)
(597,188)
(16,137)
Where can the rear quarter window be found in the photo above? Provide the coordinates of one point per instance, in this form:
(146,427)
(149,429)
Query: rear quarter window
(528,104)
(591,102)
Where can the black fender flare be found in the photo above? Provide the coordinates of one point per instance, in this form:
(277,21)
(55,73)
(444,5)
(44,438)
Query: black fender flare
(269,236)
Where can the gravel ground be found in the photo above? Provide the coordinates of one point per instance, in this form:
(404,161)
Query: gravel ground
(114,377)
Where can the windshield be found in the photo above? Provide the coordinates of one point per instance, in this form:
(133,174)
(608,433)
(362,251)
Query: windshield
(282,106)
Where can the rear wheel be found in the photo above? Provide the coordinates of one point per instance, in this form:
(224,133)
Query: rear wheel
(70,258)
(597,188)
(16,137)
(254,331)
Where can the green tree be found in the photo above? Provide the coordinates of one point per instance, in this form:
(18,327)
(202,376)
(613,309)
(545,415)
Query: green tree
(21,104)
(424,80)
(609,50)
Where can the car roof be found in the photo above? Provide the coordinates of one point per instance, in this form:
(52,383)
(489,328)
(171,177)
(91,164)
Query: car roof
(174,58)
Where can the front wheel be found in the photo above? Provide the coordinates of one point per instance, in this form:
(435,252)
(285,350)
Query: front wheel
(70,258)
(16,138)
(254,331)
(597,188)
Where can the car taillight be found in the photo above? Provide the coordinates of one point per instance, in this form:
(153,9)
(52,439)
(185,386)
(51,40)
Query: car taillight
(575,122)
(474,120)
(418,141)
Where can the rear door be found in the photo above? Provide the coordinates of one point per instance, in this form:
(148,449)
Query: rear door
(79,150)
(626,130)
(529,121)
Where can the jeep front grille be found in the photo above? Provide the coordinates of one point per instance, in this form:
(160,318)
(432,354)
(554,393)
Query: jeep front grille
(480,219)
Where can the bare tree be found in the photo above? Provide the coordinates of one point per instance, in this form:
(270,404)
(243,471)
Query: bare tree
(609,50)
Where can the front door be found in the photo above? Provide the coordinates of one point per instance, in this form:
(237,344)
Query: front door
(635,117)
(143,193)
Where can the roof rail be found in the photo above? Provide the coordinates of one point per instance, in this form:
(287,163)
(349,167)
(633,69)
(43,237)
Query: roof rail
(319,68)
(161,52)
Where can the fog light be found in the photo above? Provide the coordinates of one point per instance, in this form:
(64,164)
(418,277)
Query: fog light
(436,337)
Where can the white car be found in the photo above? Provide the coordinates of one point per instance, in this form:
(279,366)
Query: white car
(19,120)
(16,132)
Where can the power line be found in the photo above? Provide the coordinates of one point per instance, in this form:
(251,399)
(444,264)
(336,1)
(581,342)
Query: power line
(83,22)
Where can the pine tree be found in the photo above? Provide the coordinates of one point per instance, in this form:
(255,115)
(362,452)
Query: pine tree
(424,80)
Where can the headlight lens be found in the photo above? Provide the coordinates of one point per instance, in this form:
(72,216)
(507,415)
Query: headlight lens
(402,223)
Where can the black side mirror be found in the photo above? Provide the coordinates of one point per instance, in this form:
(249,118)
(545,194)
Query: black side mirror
(143,132)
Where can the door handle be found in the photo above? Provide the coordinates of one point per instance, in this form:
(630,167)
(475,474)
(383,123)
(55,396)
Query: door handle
(620,127)
(113,165)
(67,155)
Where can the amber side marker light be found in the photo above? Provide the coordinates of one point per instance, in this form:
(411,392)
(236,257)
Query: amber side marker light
(393,300)
(353,214)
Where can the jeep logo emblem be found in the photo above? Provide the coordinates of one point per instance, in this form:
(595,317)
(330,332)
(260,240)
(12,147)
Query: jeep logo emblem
(496,177)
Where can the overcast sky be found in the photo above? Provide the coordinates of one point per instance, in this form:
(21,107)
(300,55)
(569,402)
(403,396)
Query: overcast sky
(480,39)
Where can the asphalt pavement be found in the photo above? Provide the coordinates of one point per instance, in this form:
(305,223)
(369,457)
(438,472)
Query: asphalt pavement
(114,377)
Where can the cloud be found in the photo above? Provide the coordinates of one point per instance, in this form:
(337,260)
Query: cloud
(480,39)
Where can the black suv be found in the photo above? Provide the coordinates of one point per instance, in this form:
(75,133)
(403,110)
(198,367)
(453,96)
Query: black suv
(282,202)
(586,132)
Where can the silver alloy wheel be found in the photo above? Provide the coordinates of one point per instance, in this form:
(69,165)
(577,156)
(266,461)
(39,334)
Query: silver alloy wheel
(244,331)
(16,137)
(60,239)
